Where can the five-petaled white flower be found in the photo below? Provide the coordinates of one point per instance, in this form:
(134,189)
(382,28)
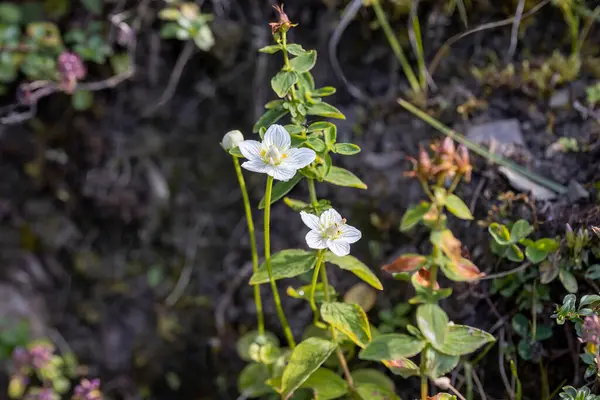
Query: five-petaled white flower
(330,231)
(274,156)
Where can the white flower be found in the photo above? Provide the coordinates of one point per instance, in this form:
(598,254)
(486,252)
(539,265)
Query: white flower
(274,156)
(330,231)
(232,139)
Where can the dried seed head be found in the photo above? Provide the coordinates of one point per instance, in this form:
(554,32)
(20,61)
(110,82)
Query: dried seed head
(284,24)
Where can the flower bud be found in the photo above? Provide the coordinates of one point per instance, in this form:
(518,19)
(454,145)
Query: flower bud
(232,139)
(17,386)
(447,146)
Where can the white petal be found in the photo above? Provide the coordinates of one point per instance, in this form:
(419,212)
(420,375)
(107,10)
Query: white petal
(282,172)
(330,217)
(339,247)
(299,158)
(256,166)
(250,149)
(314,240)
(349,234)
(310,220)
(277,135)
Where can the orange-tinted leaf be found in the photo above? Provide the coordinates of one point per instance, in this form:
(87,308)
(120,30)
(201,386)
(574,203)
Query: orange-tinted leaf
(405,263)
(423,278)
(450,245)
(464,270)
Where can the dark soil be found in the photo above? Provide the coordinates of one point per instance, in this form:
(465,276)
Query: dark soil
(95,240)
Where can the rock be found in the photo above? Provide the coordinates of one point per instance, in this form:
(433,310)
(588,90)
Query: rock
(522,183)
(505,135)
(560,98)
(576,191)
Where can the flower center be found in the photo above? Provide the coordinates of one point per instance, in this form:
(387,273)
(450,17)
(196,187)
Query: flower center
(332,231)
(273,156)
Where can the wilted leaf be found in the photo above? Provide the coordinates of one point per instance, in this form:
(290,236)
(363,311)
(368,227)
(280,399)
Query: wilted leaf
(406,263)
(449,245)
(465,270)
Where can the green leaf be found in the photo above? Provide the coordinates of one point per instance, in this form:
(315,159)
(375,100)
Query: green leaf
(251,381)
(303,292)
(319,126)
(514,253)
(524,349)
(270,49)
(433,323)
(588,299)
(520,230)
(403,367)
(330,135)
(414,215)
(535,255)
(349,319)
(10,13)
(235,151)
(283,81)
(120,63)
(342,177)
(324,110)
(568,280)
(546,244)
(305,359)
(324,91)
(346,149)
(354,265)
(593,272)
(548,272)
(296,205)
(326,384)
(243,344)
(280,189)
(93,6)
(543,332)
(520,325)
(269,118)
(461,340)
(316,144)
(456,206)
(373,376)
(371,391)
(82,100)
(286,264)
(392,346)
(499,233)
(295,49)
(438,364)
(304,62)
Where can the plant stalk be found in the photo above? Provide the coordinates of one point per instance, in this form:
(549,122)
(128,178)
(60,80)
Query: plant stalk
(422,368)
(257,299)
(313,286)
(312,193)
(286,327)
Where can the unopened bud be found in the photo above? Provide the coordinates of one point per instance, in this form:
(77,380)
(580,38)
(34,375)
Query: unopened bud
(442,382)
(232,139)
(447,146)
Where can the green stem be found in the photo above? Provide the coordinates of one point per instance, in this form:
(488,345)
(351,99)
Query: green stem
(313,285)
(422,368)
(312,193)
(339,352)
(286,327)
(391,37)
(251,233)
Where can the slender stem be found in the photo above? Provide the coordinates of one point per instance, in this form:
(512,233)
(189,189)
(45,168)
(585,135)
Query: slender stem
(251,233)
(313,285)
(422,369)
(286,60)
(339,352)
(286,327)
(313,193)
(432,278)
(391,37)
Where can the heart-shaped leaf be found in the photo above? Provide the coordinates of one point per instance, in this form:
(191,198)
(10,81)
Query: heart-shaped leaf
(520,230)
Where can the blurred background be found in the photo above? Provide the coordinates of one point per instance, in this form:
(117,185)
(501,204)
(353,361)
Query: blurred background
(122,234)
